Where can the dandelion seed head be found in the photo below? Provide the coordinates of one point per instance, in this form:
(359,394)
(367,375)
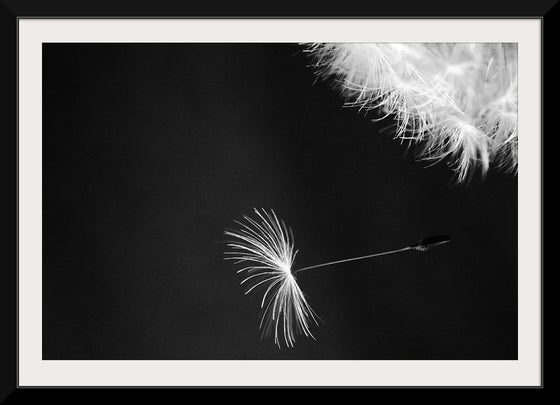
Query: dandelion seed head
(264,246)
(458,101)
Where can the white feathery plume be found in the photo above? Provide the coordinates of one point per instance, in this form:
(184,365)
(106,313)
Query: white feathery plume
(266,246)
(458,101)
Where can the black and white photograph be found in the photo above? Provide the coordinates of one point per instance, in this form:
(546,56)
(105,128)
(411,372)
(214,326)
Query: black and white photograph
(280,201)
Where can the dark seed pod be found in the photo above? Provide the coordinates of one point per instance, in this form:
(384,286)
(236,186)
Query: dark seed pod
(432,241)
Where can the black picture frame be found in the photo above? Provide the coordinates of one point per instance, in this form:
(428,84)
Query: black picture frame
(12,10)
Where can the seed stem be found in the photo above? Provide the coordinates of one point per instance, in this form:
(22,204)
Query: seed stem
(355,258)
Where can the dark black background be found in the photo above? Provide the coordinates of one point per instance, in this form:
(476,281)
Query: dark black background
(150,151)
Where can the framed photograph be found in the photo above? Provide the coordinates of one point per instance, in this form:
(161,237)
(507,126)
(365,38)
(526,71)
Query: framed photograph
(250,201)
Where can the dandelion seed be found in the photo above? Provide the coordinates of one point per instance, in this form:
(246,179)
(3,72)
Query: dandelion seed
(458,101)
(265,246)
